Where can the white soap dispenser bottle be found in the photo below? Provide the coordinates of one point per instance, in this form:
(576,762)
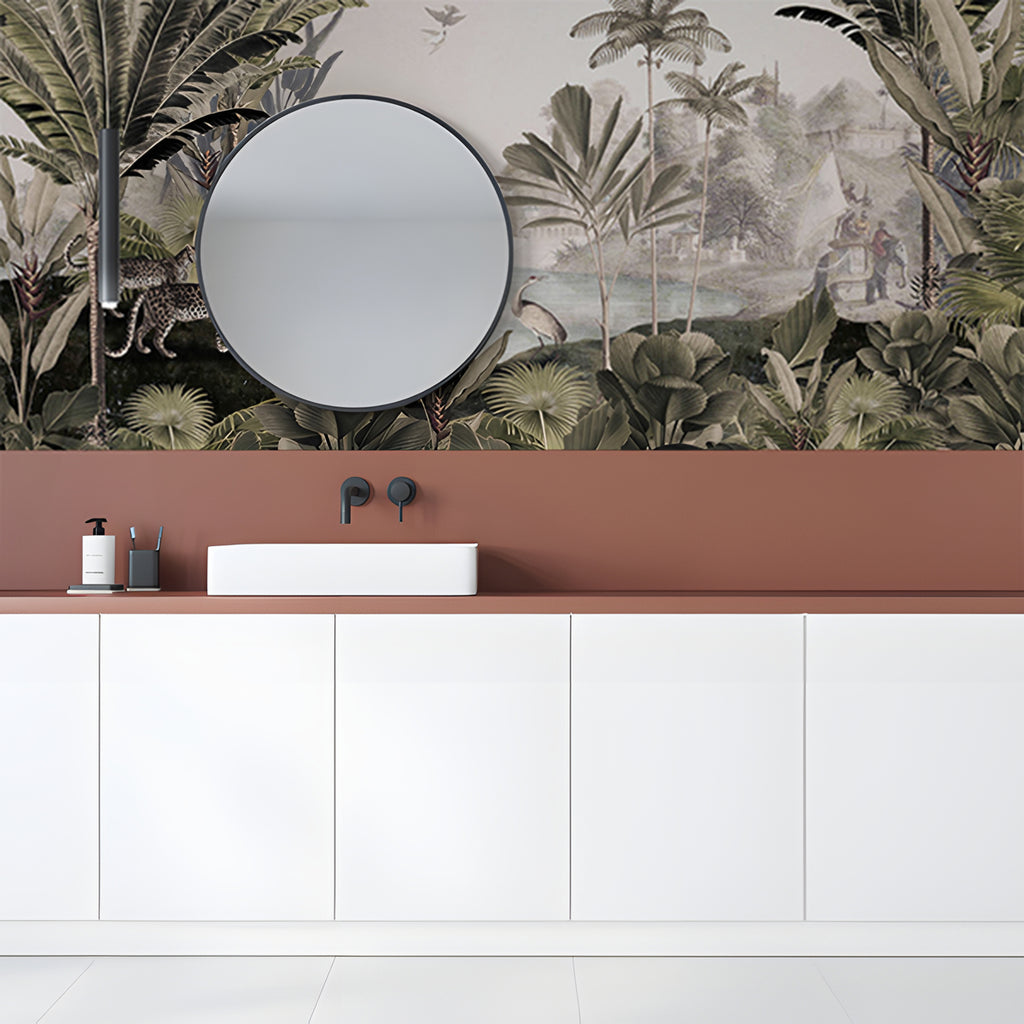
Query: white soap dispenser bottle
(98,555)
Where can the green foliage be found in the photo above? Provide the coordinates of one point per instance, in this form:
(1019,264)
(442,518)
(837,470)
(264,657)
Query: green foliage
(792,408)
(994,415)
(808,403)
(441,407)
(301,427)
(69,69)
(917,348)
(986,285)
(604,428)
(861,407)
(37,234)
(172,417)
(803,333)
(673,388)
(543,401)
(54,426)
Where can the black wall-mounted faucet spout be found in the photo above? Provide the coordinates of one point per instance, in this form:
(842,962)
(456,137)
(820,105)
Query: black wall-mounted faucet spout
(354,491)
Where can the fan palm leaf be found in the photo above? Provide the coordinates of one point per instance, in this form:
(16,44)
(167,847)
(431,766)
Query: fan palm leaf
(545,401)
(170,415)
(862,406)
(906,434)
(179,219)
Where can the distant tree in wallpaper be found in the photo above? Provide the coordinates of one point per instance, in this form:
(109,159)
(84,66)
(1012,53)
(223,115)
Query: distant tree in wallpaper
(663,30)
(745,257)
(717,104)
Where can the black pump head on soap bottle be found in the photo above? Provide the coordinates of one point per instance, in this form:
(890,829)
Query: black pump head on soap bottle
(97,530)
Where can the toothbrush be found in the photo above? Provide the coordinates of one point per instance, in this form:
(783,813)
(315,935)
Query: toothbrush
(159,537)
(131,530)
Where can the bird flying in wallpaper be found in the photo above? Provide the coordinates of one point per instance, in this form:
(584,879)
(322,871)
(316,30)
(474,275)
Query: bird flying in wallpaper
(446,17)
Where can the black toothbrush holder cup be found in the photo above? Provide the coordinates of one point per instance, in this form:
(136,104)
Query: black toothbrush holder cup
(144,565)
(144,570)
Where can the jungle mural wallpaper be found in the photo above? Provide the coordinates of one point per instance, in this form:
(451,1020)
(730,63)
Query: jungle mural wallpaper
(740,224)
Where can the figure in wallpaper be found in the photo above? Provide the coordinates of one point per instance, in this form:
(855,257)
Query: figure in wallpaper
(448,16)
(886,251)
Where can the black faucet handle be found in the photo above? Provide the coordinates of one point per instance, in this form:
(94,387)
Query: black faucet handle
(401,492)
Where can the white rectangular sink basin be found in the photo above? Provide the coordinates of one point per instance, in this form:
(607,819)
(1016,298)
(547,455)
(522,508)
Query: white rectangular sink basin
(341,569)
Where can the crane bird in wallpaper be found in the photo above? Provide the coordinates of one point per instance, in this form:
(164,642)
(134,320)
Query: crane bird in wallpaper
(533,315)
(446,17)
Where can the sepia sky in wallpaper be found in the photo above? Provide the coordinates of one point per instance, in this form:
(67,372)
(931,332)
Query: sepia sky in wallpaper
(805,297)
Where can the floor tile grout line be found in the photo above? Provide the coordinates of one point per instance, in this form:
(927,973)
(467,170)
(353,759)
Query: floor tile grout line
(576,989)
(76,980)
(831,991)
(319,995)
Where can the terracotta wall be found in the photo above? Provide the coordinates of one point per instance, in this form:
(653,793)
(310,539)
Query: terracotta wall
(559,521)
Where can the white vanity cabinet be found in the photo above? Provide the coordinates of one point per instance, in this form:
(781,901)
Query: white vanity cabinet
(687,767)
(216,769)
(453,767)
(915,767)
(49,800)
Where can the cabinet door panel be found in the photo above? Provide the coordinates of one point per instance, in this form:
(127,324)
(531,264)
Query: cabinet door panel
(216,771)
(687,768)
(453,767)
(915,767)
(49,799)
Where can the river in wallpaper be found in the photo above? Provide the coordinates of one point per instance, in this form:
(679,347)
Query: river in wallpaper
(574,299)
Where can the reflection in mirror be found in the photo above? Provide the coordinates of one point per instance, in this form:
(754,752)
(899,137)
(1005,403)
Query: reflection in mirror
(354,252)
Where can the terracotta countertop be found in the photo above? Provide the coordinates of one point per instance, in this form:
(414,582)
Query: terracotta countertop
(551,602)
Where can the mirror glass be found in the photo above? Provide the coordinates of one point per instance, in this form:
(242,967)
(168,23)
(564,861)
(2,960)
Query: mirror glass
(354,252)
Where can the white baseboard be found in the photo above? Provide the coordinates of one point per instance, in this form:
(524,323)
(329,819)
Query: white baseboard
(555,938)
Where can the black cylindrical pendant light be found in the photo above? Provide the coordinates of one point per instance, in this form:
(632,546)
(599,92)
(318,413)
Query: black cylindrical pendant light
(109,268)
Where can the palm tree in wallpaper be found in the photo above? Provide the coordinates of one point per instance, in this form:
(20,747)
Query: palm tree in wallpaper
(588,183)
(663,31)
(716,104)
(69,68)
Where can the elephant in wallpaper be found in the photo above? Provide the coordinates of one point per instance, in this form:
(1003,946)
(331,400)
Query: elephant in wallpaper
(747,225)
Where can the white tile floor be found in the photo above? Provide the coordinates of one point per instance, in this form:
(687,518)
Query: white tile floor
(510,990)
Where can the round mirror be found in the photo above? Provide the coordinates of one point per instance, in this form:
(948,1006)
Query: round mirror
(354,252)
